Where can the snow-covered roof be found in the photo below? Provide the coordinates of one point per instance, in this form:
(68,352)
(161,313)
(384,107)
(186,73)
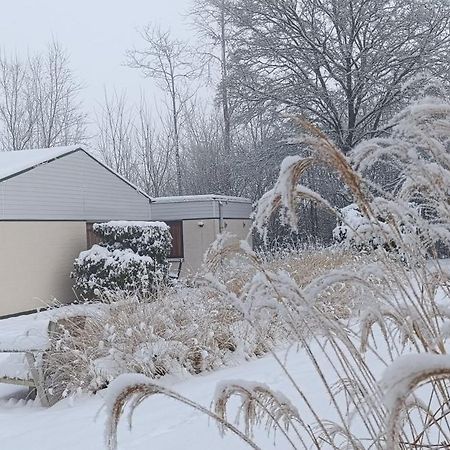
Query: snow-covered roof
(12,163)
(200,198)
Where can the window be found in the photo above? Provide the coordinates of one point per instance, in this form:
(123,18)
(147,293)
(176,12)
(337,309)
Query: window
(176,230)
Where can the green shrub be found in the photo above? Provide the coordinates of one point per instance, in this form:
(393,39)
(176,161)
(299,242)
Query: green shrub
(131,257)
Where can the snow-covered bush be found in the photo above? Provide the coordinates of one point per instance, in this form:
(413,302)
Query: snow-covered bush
(359,232)
(143,238)
(131,257)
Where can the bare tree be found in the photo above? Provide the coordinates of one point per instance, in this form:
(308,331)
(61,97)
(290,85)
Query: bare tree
(168,61)
(153,152)
(39,104)
(204,160)
(115,135)
(17,107)
(342,63)
(59,119)
(211,21)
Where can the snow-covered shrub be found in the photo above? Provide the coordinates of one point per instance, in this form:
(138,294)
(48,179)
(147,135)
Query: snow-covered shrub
(131,257)
(356,231)
(143,238)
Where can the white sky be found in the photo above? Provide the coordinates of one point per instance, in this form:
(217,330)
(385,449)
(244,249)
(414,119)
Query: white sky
(96,34)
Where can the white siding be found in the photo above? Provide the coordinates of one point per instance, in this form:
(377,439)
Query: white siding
(201,209)
(236,210)
(198,238)
(182,210)
(74,187)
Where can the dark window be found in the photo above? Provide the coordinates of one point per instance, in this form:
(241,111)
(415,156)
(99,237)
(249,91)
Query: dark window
(91,236)
(176,230)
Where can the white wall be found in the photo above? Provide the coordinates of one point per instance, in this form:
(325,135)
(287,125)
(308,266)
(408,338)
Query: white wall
(239,227)
(198,208)
(196,240)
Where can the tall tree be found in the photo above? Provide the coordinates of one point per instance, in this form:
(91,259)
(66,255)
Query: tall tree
(153,151)
(169,62)
(59,119)
(17,105)
(39,102)
(342,63)
(115,135)
(210,20)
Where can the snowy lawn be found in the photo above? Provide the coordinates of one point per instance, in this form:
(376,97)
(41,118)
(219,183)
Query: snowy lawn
(159,423)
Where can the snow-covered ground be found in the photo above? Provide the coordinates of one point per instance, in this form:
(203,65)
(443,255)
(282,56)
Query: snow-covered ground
(159,423)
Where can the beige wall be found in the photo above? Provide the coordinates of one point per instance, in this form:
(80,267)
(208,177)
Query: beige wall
(239,227)
(36,259)
(197,239)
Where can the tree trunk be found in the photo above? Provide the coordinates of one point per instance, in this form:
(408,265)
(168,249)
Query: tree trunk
(176,139)
(225,106)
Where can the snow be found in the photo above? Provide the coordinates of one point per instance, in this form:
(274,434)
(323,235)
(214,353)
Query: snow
(400,377)
(30,332)
(200,198)
(159,422)
(24,333)
(136,223)
(15,366)
(166,424)
(13,162)
(111,258)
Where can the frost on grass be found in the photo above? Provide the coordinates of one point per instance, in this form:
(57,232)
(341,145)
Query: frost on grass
(132,390)
(285,194)
(401,379)
(116,389)
(258,403)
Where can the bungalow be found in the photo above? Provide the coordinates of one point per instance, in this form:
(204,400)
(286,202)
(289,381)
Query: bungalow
(49,200)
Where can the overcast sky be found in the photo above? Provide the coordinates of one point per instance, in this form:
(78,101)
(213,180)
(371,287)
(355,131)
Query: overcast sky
(95,33)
